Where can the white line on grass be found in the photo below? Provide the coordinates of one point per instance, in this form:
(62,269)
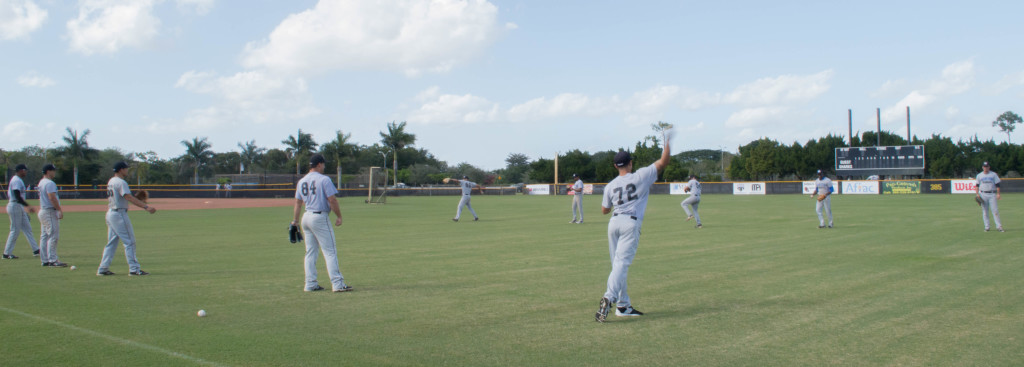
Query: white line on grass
(115,339)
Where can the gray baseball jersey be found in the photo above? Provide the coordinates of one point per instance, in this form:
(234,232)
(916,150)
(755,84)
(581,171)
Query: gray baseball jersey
(46,187)
(117,188)
(314,189)
(987,181)
(628,194)
(467,186)
(694,187)
(578,187)
(16,184)
(822,186)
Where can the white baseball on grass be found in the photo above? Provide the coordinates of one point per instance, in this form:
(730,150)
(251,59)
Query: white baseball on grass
(73,267)
(201,313)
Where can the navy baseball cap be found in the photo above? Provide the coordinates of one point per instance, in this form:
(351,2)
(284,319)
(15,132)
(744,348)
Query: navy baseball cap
(464,177)
(574,175)
(984,164)
(819,171)
(120,166)
(622,159)
(49,167)
(316,159)
(20,167)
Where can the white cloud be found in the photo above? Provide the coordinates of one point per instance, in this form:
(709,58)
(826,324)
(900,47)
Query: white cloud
(952,112)
(410,36)
(34,80)
(750,117)
(243,98)
(19,18)
(16,132)
(784,88)
(889,88)
(106,26)
(455,109)
(543,108)
(1009,81)
(956,78)
(201,7)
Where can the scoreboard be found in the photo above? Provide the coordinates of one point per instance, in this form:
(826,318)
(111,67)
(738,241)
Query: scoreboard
(894,160)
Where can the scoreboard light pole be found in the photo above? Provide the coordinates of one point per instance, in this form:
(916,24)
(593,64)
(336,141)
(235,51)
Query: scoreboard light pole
(878,133)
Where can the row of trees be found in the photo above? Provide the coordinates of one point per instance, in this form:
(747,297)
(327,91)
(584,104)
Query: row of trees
(762,159)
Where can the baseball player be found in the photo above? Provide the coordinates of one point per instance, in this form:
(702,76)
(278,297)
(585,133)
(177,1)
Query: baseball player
(691,203)
(16,209)
(626,198)
(316,192)
(467,188)
(119,227)
(987,188)
(823,186)
(50,214)
(577,199)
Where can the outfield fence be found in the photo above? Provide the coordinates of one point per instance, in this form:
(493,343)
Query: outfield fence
(287,190)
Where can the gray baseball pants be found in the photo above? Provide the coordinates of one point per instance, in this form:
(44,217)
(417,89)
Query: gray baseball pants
(319,237)
(690,206)
(49,227)
(989,204)
(577,207)
(119,228)
(623,238)
(826,206)
(19,224)
(464,202)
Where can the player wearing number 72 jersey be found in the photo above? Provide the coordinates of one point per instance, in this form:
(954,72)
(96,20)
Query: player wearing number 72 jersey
(626,198)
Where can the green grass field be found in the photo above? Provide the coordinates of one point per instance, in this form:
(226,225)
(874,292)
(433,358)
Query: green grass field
(902,280)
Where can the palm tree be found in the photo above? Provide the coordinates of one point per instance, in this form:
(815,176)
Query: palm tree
(251,152)
(198,150)
(397,138)
(300,148)
(77,148)
(338,148)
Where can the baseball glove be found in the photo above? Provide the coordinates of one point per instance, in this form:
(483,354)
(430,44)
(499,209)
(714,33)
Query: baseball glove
(822,197)
(978,199)
(294,235)
(142,195)
(686,189)
(447,179)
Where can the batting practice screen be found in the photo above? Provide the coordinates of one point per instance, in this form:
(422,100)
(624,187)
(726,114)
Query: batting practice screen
(894,160)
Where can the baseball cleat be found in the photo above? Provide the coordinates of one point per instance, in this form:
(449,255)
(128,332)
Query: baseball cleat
(699,226)
(573,221)
(35,253)
(602,310)
(140,272)
(314,289)
(986,229)
(476,219)
(819,227)
(580,222)
(829,226)
(10,257)
(455,219)
(346,288)
(689,218)
(47,264)
(1001,229)
(105,273)
(627,311)
(58,264)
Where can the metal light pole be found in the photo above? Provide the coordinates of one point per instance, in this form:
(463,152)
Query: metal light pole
(385,155)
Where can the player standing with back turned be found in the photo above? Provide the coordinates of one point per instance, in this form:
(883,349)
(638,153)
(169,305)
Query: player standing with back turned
(16,209)
(626,198)
(316,192)
(577,199)
(467,189)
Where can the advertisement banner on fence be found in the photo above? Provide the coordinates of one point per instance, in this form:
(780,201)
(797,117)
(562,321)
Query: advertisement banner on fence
(748,188)
(676,188)
(860,187)
(962,186)
(901,187)
(538,189)
(588,189)
(935,187)
(809,187)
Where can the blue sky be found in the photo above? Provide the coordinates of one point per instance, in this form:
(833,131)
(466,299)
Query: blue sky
(478,80)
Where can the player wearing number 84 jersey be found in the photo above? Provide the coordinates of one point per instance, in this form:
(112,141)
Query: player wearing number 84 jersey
(316,192)
(626,198)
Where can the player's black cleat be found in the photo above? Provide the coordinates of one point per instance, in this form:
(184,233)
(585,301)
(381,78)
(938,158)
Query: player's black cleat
(476,219)
(1001,229)
(455,219)
(829,226)
(602,310)
(58,264)
(699,226)
(627,311)
(820,227)
(140,272)
(47,264)
(105,273)
(314,289)
(345,288)
(10,257)
(35,253)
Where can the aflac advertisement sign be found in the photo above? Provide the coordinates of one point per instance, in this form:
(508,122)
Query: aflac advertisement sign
(962,186)
(860,187)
